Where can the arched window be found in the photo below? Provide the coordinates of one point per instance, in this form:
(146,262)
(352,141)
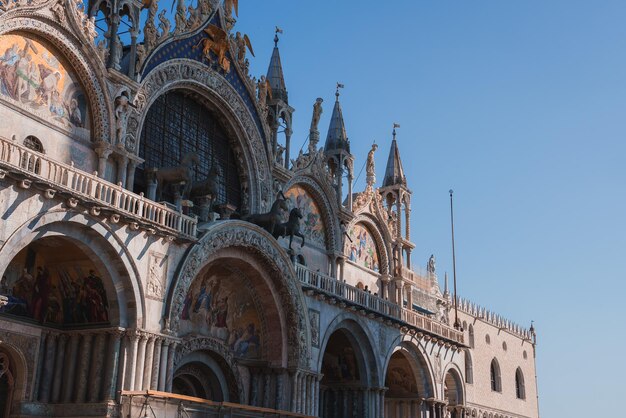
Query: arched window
(471,336)
(469,368)
(177,126)
(496,382)
(520,389)
(31,162)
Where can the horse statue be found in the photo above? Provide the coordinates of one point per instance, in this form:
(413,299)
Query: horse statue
(291,227)
(182,173)
(210,186)
(270,220)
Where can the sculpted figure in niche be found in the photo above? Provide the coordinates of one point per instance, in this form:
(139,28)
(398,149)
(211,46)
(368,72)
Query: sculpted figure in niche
(264,90)
(122,110)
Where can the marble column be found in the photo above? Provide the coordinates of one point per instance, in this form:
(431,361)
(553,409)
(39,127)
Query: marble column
(97,365)
(83,368)
(69,375)
(58,368)
(118,386)
(122,164)
(156,362)
(266,390)
(48,368)
(103,155)
(130,174)
(140,362)
(148,366)
(112,365)
(131,357)
(278,402)
(254,388)
(170,367)
(293,377)
(41,360)
(165,346)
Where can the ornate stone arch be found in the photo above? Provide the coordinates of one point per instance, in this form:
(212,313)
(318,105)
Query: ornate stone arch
(365,341)
(79,51)
(457,374)
(226,359)
(418,354)
(254,240)
(379,237)
(17,347)
(320,195)
(249,148)
(103,243)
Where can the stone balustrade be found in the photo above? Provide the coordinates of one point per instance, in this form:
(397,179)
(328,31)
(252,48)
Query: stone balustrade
(92,190)
(375,304)
(165,404)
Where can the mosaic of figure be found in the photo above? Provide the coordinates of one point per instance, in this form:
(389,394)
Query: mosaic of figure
(312,224)
(218,306)
(56,294)
(37,79)
(361,248)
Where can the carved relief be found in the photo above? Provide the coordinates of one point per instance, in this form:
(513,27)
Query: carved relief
(157,276)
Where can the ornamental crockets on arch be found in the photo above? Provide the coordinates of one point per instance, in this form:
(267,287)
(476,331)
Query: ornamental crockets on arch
(249,148)
(51,20)
(380,238)
(327,205)
(254,240)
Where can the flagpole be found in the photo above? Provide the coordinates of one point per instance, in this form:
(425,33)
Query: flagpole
(457,324)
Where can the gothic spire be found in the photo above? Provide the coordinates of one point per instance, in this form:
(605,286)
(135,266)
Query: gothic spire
(337,139)
(394,174)
(275,73)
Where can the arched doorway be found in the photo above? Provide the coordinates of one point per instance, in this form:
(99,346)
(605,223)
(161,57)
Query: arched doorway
(344,388)
(453,393)
(75,293)
(179,125)
(408,382)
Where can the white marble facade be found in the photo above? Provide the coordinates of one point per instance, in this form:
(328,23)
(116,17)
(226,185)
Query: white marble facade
(115,304)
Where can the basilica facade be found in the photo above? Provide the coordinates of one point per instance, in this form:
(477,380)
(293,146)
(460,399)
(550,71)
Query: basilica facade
(165,251)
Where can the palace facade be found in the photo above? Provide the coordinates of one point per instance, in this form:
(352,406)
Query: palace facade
(165,252)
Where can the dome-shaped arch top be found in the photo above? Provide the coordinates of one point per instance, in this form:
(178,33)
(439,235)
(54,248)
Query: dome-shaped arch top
(362,248)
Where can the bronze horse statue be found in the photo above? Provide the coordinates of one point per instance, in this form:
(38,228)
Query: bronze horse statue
(182,173)
(270,220)
(291,227)
(210,186)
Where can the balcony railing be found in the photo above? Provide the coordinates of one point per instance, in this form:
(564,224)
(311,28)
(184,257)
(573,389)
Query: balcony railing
(164,405)
(376,304)
(93,189)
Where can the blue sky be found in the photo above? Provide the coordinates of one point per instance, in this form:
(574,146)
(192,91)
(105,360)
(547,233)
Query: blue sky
(519,106)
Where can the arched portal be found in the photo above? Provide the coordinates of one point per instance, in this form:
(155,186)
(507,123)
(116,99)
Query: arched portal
(348,372)
(453,392)
(408,381)
(205,374)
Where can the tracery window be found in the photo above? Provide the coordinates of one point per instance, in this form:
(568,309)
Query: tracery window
(177,125)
